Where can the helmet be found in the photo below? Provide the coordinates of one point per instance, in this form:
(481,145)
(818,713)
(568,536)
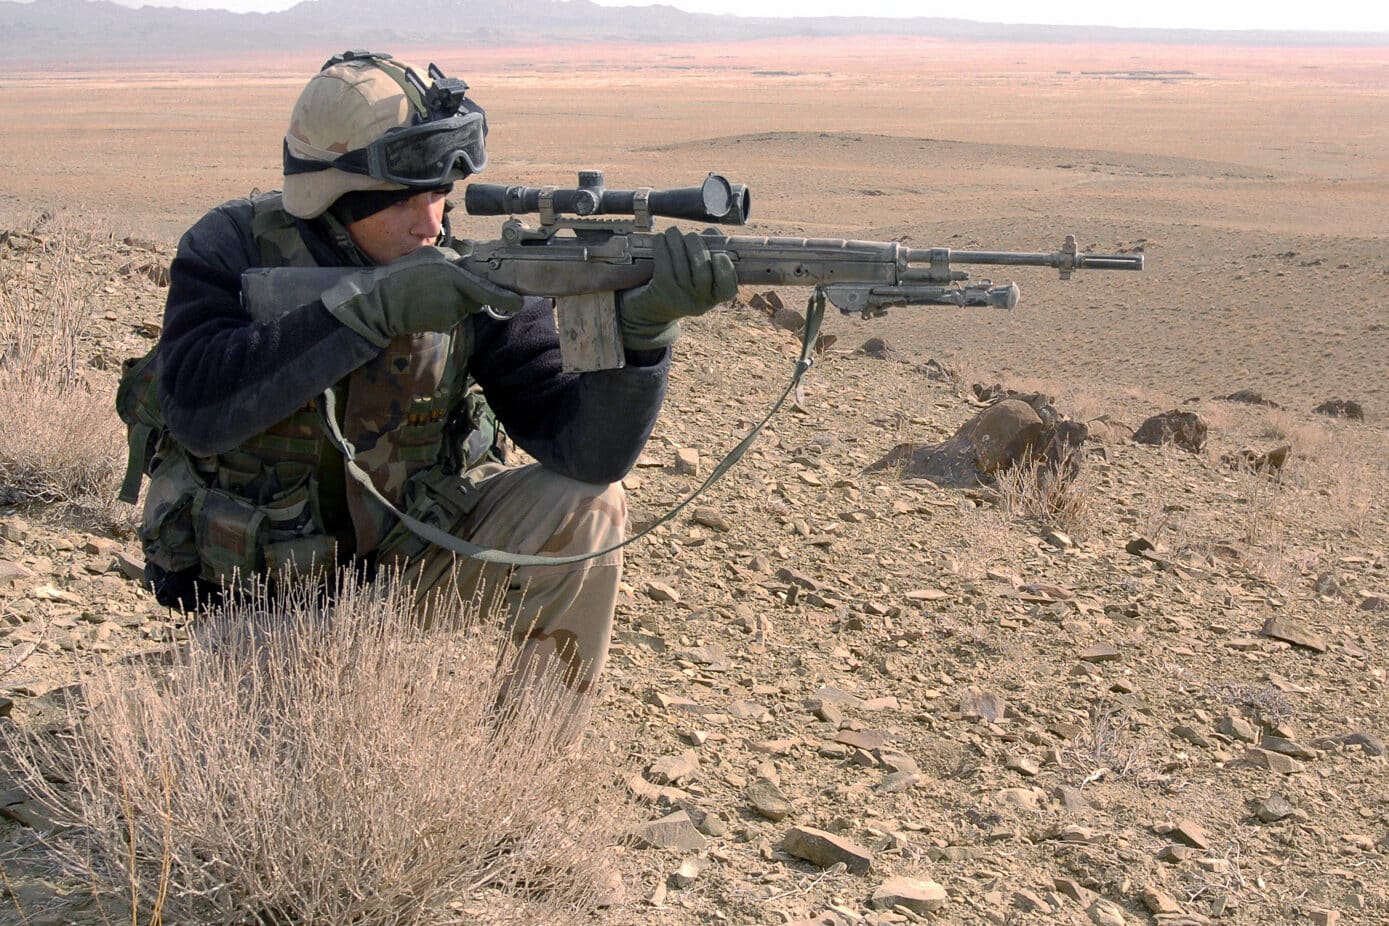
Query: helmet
(367,122)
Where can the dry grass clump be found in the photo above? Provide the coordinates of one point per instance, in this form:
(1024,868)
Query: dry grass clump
(1348,481)
(1111,745)
(60,438)
(1061,494)
(1263,503)
(1264,704)
(985,539)
(1337,468)
(1311,439)
(319,763)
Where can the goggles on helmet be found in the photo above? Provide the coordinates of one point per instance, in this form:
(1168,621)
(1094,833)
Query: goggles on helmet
(422,155)
(448,128)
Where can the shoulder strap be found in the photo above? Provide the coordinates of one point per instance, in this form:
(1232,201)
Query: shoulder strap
(276,234)
(815,312)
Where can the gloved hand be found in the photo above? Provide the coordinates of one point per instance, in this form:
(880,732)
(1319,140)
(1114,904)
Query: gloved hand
(423,291)
(686,280)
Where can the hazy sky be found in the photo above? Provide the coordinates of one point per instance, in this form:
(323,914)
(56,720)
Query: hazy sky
(1353,15)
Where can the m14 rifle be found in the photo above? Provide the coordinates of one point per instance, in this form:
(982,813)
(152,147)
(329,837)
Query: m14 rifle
(591,242)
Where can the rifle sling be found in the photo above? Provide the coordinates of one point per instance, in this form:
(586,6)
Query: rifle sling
(815,311)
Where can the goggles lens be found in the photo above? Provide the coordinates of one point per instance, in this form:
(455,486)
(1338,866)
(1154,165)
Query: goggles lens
(426,154)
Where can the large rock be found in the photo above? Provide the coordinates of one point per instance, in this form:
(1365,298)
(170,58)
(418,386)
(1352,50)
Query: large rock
(937,372)
(1341,408)
(789,320)
(768,302)
(1290,631)
(1187,430)
(877,348)
(1000,435)
(1004,434)
(768,800)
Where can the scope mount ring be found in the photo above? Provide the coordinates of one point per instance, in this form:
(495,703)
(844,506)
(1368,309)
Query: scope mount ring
(547,205)
(641,208)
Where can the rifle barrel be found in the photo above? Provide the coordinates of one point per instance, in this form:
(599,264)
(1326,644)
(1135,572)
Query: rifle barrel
(1061,260)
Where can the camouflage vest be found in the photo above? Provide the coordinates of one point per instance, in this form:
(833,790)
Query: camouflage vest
(270,502)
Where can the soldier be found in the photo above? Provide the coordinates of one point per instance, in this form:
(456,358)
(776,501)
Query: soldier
(248,479)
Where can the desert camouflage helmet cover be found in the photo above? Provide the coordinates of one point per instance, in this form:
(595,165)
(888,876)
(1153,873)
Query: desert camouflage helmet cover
(346,106)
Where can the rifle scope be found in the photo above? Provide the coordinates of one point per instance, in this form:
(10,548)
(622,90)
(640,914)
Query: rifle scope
(715,200)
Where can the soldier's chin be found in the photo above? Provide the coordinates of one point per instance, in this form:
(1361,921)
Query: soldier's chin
(406,250)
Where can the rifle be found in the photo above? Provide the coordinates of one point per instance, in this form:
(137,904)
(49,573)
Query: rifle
(591,242)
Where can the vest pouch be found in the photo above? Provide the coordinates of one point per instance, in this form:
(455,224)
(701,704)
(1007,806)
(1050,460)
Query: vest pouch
(436,497)
(137,404)
(315,557)
(231,537)
(293,512)
(166,530)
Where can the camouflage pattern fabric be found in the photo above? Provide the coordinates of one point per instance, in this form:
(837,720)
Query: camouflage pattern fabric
(397,406)
(344,107)
(166,529)
(560,617)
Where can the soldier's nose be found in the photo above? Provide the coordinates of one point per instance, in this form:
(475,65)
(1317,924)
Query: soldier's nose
(427,225)
(426,221)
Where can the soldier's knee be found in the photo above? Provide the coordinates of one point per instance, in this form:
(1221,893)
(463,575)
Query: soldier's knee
(609,507)
(594,516)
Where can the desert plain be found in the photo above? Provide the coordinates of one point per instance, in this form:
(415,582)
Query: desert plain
(1069,711)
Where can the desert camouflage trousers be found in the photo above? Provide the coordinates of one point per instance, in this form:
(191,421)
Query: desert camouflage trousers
(559,617)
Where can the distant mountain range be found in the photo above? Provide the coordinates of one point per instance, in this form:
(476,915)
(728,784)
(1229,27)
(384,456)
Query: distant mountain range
(67,32)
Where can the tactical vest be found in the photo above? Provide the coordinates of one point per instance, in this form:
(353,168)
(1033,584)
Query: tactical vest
(269,504)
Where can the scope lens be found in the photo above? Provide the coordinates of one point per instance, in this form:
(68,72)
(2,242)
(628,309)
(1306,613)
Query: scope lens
(718,196)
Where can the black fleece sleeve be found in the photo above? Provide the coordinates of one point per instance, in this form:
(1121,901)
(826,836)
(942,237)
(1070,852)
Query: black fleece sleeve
(223,376)
(588,426)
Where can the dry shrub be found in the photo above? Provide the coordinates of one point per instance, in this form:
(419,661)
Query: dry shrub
(1111,745)
(1061,494)
(1310,439)
(1264,704)
(1347,481)
(984,540)
(1082,401)
(1263,507)
(1352,488)
(60,438)
(1222,417)
(1334,478)
(319,763)
(59,446)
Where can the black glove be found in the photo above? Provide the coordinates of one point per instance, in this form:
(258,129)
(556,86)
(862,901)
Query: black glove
(686,279)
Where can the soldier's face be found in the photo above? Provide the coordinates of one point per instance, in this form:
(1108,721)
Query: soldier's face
(400,229)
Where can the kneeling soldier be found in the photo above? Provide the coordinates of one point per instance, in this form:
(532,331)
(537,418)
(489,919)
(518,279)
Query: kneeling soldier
(421,363)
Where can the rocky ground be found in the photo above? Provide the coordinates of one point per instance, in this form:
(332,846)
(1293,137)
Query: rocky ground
(843,696)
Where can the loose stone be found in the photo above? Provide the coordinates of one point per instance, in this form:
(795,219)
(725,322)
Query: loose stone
(673,831)
(768,800)
(826,849)
(1273,808)
(918,896)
